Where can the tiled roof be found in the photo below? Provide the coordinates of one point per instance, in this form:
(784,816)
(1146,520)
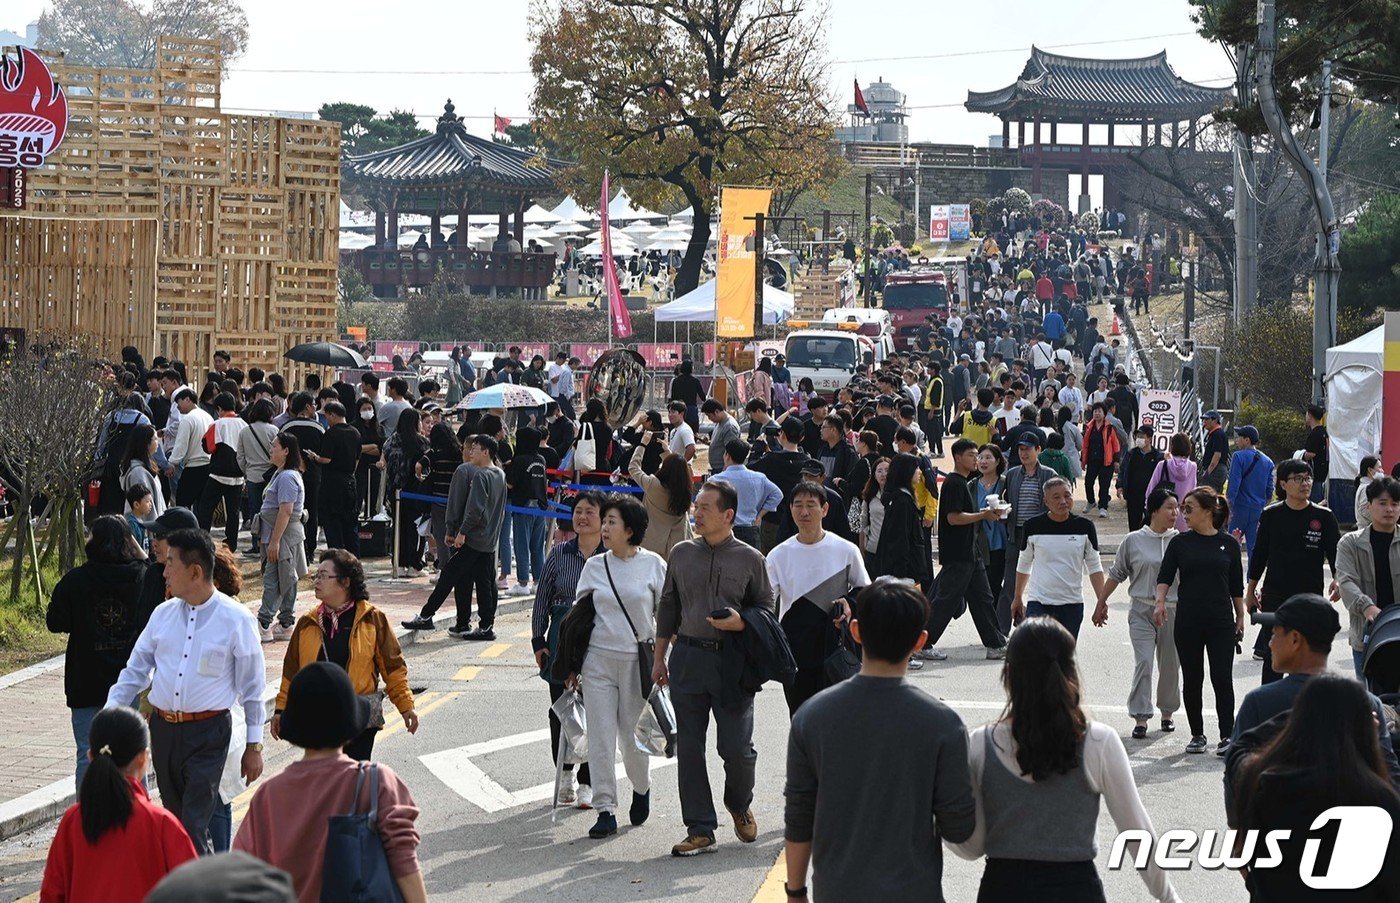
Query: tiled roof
(1144,89)
(451,155)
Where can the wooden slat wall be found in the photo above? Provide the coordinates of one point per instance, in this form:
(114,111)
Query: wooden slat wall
(164,223)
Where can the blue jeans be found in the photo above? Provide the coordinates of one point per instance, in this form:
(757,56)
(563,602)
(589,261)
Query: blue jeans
(1246,520)
(82,725)
(503,545)
(1071,616)
(1358,659)
(221,827)
(530,532)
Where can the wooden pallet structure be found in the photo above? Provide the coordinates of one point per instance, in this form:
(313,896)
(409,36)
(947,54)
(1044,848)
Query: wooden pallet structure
(164,223)
(814,292)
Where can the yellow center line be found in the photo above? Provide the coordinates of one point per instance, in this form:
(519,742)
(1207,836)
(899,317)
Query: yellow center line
(495,650)
(437,704)
(524,634)
(467,673)
(771,890)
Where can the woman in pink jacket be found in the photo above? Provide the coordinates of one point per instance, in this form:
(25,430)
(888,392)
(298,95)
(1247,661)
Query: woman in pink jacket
(1177,470)
(287,818)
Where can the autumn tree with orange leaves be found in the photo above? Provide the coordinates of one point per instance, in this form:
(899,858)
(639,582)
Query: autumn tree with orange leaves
(679,97)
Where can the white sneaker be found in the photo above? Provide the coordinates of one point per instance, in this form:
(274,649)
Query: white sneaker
(522,589)
(585,797)
(410,572)
(281,633)
(568,795)
(1103,512)
(265,634)
(502,582)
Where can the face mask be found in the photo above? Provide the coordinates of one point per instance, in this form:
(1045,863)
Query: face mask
(1143,443)
(367,415)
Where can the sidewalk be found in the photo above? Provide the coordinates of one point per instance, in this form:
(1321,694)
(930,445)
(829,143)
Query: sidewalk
(36,747)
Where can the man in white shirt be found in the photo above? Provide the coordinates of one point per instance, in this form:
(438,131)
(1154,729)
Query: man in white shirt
(1072,397)
(682,440)
(188,453)
(561,383)
(813,574)
(1058,548)
(200,656)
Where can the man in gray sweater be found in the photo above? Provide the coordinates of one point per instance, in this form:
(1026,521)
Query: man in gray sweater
(726,431)
(880,766)
(473,528)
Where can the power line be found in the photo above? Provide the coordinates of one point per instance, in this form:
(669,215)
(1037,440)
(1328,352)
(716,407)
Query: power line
(1020,49)
(884,59)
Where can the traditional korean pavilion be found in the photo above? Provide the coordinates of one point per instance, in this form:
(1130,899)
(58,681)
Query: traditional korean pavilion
(1053,90)
(455,174)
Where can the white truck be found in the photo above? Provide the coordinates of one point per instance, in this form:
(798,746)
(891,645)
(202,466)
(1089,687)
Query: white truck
(828,353)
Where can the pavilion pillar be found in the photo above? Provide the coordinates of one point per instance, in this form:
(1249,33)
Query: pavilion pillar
(1054,132)
(1176,134)
(1020,133)
(1110,133)
(502,226)
(1084,202)
(379,228)
(1157,134)
(1005,132)
(1035,166)
(1144,134)
(520,225)
(393,228)
(462,242)
(435,224)
(1191,132)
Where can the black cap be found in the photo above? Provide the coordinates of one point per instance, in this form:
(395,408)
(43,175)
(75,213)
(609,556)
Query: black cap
(173,519)
(1308,613)
(322,710)
(813,467)
(1030,439)
(232,877)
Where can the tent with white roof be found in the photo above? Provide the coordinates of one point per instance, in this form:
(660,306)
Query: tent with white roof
(622,209)
(569,209)
(698,306)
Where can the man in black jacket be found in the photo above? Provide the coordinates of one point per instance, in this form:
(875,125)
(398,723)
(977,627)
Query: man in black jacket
(311,434)
(1126,399)
(337,502)
(1134,473)
(784,468)
(835,454)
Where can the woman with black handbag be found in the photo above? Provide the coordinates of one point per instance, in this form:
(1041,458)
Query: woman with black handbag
(289,815)
(625,585)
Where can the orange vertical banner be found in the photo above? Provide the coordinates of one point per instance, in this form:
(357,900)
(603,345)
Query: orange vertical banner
(734,285)
(1390,393)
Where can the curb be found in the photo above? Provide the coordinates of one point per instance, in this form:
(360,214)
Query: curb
(33,809)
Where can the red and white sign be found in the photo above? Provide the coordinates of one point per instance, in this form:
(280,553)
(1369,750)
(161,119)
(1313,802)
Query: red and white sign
(33,111)
(1161,410)
(587,354)
(938,224)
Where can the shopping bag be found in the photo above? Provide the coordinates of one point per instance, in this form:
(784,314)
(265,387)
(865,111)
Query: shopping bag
(355,868)
(655,733)
(573,726)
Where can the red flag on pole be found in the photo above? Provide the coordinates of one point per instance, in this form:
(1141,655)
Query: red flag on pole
(502,123)
(860,99)
(619,320)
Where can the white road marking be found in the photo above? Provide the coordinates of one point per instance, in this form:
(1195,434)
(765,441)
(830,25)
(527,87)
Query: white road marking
(455,768)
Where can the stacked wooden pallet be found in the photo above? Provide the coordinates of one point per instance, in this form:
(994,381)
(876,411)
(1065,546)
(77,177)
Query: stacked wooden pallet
(815,291)
(164,223)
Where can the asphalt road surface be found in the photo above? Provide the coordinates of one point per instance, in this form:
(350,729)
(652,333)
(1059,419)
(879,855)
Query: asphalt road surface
(479,768)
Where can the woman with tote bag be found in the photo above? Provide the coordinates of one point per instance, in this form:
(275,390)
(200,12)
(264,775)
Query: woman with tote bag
(625,585)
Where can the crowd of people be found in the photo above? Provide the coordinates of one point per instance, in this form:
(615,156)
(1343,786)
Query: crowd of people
(809,538)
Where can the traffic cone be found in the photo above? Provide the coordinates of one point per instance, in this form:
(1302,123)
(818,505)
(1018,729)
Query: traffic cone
(1116,329)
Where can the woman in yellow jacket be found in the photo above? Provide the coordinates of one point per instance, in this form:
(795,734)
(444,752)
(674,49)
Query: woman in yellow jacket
(345,629)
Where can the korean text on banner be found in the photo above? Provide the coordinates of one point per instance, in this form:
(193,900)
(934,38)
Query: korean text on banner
(734,288)
(959,222)
(1161,410)
(938,222)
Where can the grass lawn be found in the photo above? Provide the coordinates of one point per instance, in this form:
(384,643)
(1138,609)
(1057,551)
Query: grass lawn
(23,638)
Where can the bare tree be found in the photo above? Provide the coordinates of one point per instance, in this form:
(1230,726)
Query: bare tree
(53,401)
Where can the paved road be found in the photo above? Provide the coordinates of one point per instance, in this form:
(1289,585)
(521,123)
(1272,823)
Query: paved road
(479,768)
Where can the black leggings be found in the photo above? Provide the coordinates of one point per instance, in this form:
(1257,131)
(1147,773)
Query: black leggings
(1197,638)
(1102,474)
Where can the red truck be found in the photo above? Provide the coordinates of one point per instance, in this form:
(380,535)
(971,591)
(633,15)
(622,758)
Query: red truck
(910,296)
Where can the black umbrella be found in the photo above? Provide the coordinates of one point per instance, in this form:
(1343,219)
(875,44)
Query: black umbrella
(327,354)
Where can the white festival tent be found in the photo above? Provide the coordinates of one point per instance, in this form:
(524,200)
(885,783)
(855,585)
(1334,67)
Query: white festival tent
(569,209)
(1355,373)
(698,306)
(537,214)
(622,209)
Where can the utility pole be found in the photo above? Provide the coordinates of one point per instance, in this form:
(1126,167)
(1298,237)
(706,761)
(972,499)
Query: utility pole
(1246,205)
(869,274)
(1326,268)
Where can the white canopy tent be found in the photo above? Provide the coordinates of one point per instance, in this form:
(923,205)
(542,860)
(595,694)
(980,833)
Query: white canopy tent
(569,209)
(698,306)
(1355,373)
(537,214)
(622,209)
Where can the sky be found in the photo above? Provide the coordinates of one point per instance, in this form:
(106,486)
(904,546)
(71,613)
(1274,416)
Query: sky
(417,55)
